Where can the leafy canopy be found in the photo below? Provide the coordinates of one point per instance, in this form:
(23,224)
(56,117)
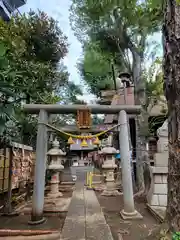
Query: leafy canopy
(95,68)
(119,28)
(32,48)
(35,47)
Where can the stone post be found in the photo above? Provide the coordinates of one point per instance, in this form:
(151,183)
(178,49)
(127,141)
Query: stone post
(129,211)
(109,166)
(119,175)
(157,195)
(40,169)
(56,166)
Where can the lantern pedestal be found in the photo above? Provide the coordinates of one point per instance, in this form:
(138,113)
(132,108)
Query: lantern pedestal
(54,187)
(110,187)
(119,179)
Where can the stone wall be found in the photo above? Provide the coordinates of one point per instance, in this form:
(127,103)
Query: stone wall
(157,196)
(160,171)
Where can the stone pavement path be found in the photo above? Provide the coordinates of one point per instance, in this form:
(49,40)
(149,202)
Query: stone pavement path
(85,219)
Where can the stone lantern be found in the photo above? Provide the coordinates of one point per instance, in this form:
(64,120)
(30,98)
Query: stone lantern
(162,133)
(109,165)
(56,155)
(125,79)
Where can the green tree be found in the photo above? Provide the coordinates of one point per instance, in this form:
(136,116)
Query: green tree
(45,40)
(153,78)
(97,120)
(95,69)
(122,28)
(8,97)
(35,47)
(70,92)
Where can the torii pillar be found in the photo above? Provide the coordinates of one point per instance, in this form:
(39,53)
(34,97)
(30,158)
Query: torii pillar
(40,170)
(129,211)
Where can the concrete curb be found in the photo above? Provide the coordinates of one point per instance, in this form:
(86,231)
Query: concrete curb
(52,236)
(155,213)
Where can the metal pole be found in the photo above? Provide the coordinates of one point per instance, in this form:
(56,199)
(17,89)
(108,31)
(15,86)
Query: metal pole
(129,209)
(125,92)
(114,76)
(40,168)
(4,168)
(9,198)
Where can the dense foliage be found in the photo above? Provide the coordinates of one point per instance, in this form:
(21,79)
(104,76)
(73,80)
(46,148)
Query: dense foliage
(32,48)
(95,69)
(119,28)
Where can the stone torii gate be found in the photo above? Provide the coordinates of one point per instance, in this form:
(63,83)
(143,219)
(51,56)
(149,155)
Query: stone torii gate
(41,150)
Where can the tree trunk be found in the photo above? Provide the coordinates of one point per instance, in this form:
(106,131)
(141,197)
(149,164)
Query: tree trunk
(140,150)
(171,34)
(140,140)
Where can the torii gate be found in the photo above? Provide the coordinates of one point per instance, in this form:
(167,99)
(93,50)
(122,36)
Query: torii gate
(41,151)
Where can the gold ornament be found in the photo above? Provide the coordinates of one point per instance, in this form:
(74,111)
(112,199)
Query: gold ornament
(96,141)
(70,141)
(84,143)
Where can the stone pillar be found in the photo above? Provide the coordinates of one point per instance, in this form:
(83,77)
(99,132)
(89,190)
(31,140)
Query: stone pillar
(109,166)
(129,211)
(40,169)
(157,196)
(56,166)
(109,140)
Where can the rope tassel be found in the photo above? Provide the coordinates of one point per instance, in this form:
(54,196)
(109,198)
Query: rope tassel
(84,143)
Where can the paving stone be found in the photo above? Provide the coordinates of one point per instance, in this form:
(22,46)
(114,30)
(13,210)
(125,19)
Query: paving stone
(85,219)
(74,226)
(96,226)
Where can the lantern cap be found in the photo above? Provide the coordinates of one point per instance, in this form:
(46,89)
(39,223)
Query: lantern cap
(124,74)
(109,150)
(55,150)
(55,167)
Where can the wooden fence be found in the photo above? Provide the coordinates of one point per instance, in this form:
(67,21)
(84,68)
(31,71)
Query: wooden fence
(16,165)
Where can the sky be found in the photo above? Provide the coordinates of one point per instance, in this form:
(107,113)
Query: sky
(59,10)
